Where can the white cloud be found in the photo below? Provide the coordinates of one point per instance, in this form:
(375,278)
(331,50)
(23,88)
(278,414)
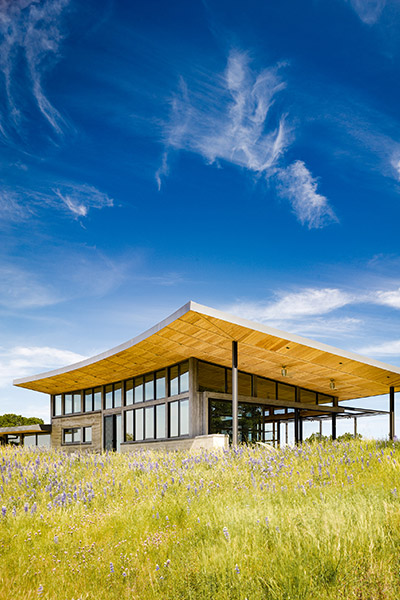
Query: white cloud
(79,199)
(76,199)
(387,298)
(391,348)
(20,289)
(22,361)
(300,188)
(228,118)
(296,305)
(369,11)
(30,31)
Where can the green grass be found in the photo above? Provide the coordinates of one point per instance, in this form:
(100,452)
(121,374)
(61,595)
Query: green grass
(316,522)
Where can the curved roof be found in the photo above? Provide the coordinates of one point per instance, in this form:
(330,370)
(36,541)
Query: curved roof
(207,333)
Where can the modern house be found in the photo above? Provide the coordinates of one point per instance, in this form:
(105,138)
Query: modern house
(201,375)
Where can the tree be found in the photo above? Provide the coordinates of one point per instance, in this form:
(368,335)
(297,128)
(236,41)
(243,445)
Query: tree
(11,420)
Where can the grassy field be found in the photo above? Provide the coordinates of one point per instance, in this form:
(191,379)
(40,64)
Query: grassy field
(313,522)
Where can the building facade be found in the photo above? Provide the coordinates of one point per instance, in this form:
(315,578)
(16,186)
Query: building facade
(201,378)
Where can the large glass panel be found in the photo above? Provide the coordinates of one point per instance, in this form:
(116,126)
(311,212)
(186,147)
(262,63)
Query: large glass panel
(244,384)
(129,425)
(266,388)
(109,396)
(68,404)
(109,432)
(139,424)
(307,396)
(250,422)
(138,389)
(287,393)
(118,431)
(211,377)
(88,400)
(174,419)
(184,377)
(57,405)
(97,398)
(76,434)
(77,402)
(184,420)
(220,417)
(149,387)
(160,421)
(30,440)
(173,381)
(44,440)
(129,392)
(149,428)
(117,394)
(160,384)
(87,435)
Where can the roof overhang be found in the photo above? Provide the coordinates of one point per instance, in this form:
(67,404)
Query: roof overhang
(207,334)
(25,429)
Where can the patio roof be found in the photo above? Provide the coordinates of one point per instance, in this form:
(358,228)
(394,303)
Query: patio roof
(206,333)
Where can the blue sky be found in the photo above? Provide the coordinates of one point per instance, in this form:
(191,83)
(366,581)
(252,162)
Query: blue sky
(243,156)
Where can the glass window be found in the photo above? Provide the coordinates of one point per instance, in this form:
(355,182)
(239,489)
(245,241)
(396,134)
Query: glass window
(117,394)
(88,400)
(87,435)
(72,435)
(287,393)
(138,389)
(266,388)
(68,404)
(174,419)
(324,399)
(149,429)
(57,405)
(279,411)
(109,396)
(184,417)
(129,392)
(220,417)
(118,432)
(30,440)
(149,387)
(160,421)
(211,377)
(160,384)
(173,381)
(129,425)
(97,398)
(244,384)
(43,440)
(184,377)
(307,396)
(77,402)
(139,424)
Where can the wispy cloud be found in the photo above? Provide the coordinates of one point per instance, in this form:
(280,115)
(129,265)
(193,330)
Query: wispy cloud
(31,34)
(391,348)
(388,298)
(20,289)
(298,185)
(295,305)
(72,198)
(369,11)
(21,361)
(232,118)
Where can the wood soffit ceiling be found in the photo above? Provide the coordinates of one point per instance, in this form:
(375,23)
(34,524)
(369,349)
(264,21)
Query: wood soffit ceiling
(207,334)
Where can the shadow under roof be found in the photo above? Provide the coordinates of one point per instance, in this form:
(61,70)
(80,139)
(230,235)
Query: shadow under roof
(206,333)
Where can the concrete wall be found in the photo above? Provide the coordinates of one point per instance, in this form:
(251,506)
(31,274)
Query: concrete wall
(208,442)
(93,420)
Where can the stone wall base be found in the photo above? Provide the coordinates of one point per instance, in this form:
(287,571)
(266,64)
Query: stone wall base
(207,442)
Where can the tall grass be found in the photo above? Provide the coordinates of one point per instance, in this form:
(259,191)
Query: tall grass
(317,521)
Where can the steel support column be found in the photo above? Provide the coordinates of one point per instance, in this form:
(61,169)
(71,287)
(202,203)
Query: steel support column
(333,426)
(320,429)
(296,425)
(355,427)
(234,394)
(300,428)
(391,414)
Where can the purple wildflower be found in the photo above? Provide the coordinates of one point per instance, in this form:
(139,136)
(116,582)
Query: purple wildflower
(226,533)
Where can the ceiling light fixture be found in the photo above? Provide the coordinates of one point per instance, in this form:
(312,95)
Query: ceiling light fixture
(284,372)
(332,384)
